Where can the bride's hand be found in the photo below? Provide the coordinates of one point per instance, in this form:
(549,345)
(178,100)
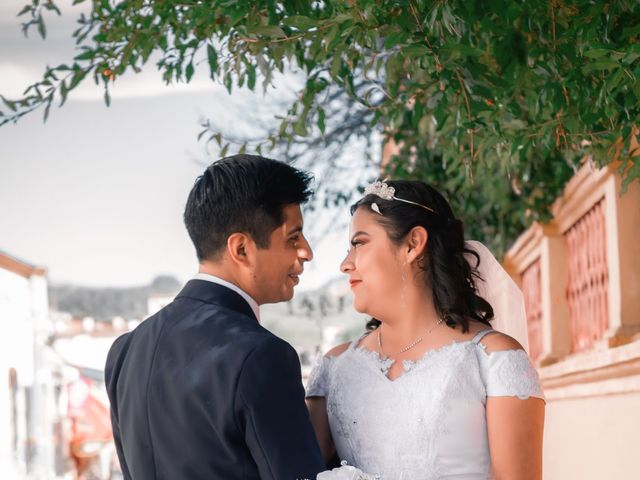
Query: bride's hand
(346,472)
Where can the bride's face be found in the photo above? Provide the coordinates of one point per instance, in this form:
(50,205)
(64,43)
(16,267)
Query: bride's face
(373,266)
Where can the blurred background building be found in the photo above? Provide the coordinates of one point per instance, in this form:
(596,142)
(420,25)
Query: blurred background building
(54,414)
(28,410)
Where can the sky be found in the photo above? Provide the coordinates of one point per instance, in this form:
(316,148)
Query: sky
(96,194)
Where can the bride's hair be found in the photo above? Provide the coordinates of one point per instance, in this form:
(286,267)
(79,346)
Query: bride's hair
(447,273)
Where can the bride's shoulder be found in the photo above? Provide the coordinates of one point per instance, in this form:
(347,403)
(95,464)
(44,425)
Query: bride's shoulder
(343,347)
(498,341)
(490,340)
(338,350)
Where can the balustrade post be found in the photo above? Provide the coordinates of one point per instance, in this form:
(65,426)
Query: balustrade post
(622,229)
(555,313)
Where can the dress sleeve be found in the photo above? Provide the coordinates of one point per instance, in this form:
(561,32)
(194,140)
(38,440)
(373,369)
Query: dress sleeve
(509,373)
(317,384)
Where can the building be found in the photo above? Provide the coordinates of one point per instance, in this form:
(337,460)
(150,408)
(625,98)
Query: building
(580,274)
(27,409)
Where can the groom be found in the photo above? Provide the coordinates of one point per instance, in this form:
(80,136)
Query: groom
(201,391)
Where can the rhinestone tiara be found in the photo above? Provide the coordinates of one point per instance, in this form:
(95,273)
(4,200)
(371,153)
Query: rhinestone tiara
(387,192)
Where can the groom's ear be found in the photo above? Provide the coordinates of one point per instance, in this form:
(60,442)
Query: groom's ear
(240,248)
(417,240)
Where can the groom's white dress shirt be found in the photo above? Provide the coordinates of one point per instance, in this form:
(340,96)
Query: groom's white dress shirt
(212,278)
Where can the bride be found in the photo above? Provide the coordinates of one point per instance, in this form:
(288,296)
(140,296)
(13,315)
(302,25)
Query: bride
(431,391)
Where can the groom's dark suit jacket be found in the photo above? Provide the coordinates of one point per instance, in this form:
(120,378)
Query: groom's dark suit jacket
(201,391)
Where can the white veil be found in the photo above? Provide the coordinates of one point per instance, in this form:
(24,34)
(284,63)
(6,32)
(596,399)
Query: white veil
(499,289)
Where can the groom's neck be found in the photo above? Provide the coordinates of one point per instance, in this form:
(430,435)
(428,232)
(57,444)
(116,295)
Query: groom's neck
(219,270)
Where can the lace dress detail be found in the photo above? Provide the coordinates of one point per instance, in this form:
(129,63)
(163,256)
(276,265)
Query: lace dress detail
(317,381)
(430,422)
(509,373)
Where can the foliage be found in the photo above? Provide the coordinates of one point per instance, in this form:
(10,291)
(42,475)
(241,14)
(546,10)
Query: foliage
(494,102)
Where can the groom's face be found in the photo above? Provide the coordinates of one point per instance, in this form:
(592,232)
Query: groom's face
(279,266)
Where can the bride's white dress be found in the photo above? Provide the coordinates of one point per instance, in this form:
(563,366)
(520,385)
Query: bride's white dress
(430,422)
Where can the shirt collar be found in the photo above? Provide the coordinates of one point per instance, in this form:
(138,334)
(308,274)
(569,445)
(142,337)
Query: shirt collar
(212,278)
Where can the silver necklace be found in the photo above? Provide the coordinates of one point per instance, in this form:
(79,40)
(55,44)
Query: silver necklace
(408,347)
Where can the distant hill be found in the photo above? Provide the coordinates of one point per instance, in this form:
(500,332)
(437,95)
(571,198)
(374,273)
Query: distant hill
(106,303)
(299,321)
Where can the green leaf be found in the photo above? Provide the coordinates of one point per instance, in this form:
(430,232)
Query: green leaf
(344,17)
(467,50)
(88,54)
(47,108)
(212,57)
(51,6)
(416,50)
(251,76)
(600,65)
(597,53)
(270,31)
(78,76)
(336,63)
(434,100)
(300,128)
(42,30)
(321,120)
(394,39)
(228,82)
(25,9)
(331,36)
(63,93)
(223,152)
(189,71)
(300,22)
(9,103)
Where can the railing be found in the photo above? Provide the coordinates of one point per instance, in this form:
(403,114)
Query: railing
(579,271)
(587,279)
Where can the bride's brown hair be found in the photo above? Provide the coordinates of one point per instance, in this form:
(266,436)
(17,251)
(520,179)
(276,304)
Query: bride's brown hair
(446,271)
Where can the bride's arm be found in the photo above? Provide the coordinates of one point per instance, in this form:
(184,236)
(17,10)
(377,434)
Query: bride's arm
(318,414)
(317,406)
(515,437)
(515,427)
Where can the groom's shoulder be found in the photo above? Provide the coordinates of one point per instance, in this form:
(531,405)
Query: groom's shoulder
(261,347)
(263,342)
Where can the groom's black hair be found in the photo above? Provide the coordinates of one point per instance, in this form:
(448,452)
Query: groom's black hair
(241,193)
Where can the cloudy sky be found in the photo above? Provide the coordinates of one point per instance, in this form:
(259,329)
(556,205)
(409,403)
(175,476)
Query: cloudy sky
(96,194)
